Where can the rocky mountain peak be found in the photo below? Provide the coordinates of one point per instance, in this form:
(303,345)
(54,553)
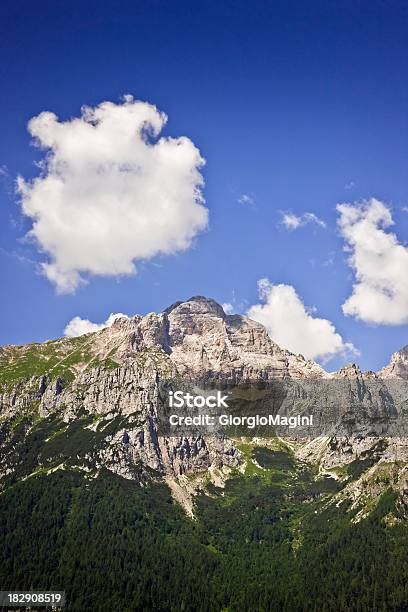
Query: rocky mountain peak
(398,366)
(205,343)
(350,370)
(401,356)
(197,305)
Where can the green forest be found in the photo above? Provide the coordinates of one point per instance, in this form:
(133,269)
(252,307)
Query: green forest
(260,543)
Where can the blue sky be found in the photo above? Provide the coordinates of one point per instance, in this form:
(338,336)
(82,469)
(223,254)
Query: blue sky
(299,106)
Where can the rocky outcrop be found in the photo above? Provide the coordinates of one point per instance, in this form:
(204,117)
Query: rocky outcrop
(398,366)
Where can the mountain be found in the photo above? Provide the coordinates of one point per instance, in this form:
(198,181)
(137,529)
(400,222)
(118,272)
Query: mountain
(398,366)
(84,465)
(113,376)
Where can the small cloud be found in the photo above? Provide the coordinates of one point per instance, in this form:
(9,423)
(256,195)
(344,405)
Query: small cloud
(379,262)
(293,326)
(349,185)
(228,308)
(404,209)
(248,200)
(79,327)
(292,222)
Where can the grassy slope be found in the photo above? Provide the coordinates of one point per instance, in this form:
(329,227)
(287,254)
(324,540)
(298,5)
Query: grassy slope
(56,358)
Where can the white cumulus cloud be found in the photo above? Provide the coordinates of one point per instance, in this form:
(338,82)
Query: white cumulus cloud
(111,192)
(292,326)
(292,222)
(79,327)
(379,262)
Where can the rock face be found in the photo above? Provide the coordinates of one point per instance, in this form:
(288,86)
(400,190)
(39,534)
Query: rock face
(205,343)
(94,399)
(398,366)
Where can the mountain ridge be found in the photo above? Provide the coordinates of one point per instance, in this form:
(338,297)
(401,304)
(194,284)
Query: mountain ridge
(175,328)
